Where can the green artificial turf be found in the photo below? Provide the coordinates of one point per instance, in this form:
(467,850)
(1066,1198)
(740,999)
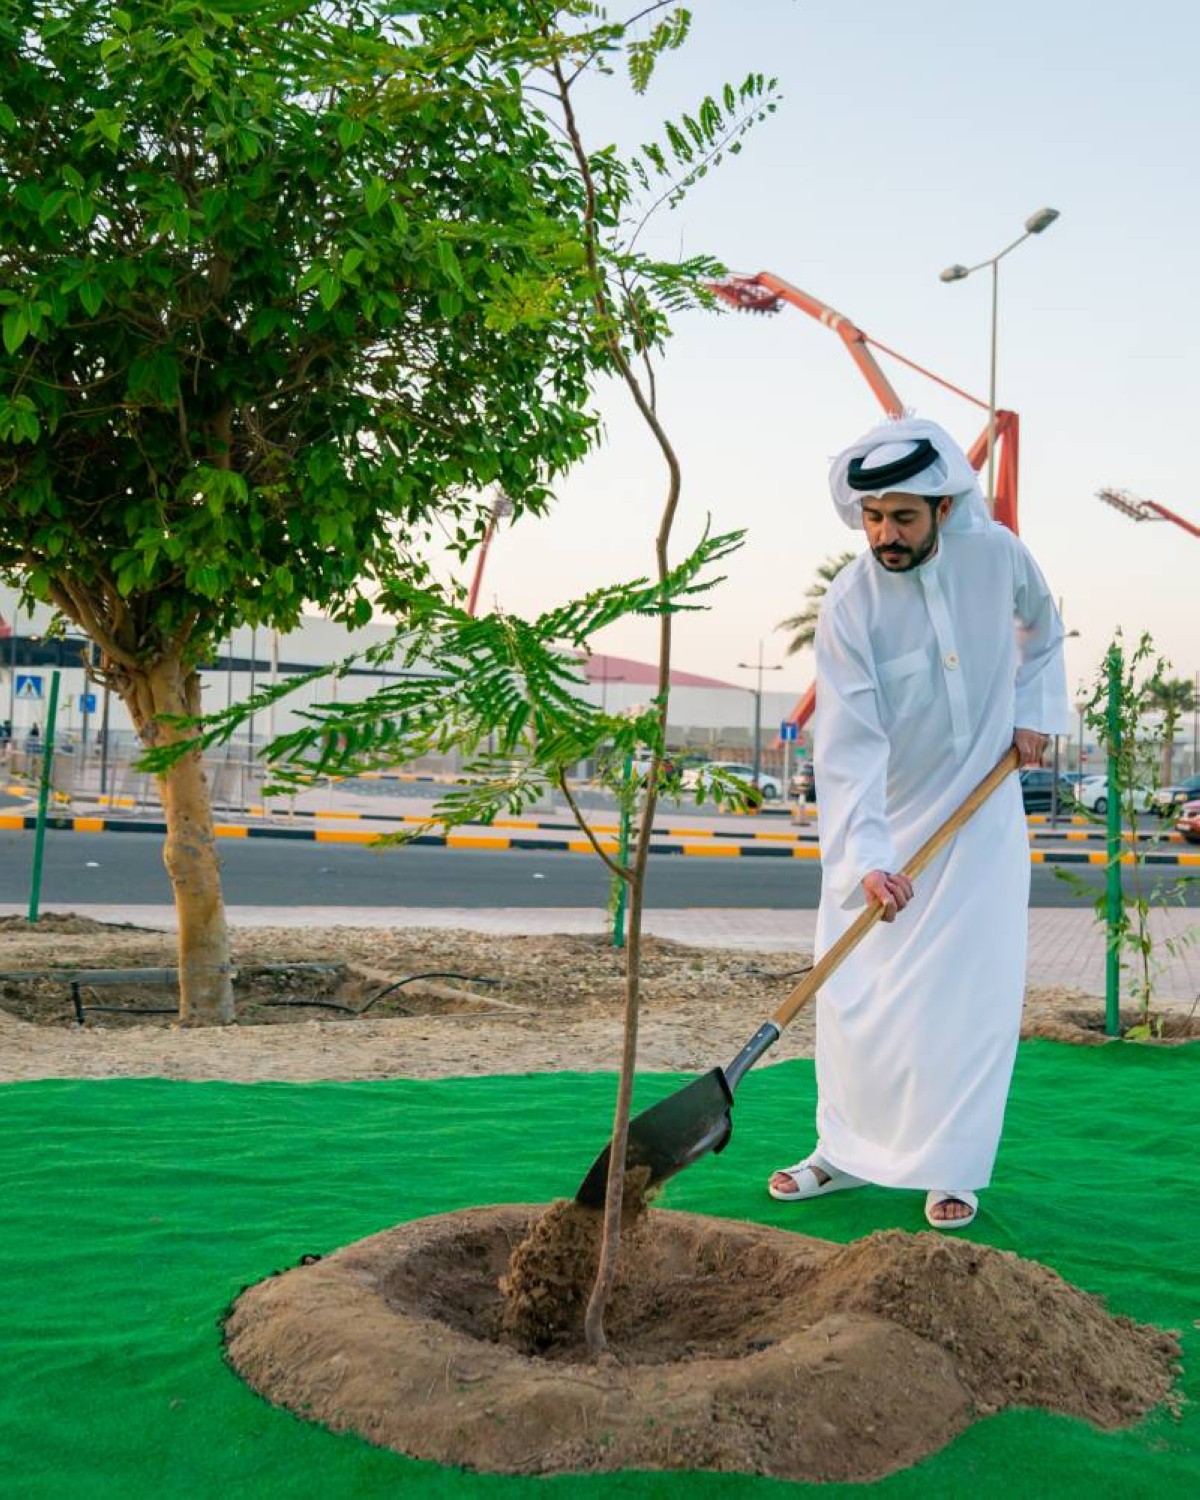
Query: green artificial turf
(133,1211)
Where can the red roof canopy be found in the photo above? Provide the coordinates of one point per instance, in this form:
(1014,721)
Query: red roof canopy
(644,674)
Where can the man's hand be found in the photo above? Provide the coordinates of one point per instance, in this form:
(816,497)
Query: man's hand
(892,892)
(1031,744)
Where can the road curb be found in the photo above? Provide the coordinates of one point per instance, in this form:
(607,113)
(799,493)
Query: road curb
(806,833)
(713,849)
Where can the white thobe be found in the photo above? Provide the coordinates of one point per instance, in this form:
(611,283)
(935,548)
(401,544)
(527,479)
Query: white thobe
(922,677)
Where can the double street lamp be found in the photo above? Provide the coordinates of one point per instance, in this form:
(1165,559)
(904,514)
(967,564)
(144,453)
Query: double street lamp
(758,691)
(1035,224)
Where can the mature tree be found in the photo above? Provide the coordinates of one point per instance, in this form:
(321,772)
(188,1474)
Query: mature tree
(281,281)
(804,625)
(1172,697)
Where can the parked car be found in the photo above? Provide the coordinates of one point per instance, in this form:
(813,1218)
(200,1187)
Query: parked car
(1188,821)
(1167,798)
(770,786)
(1037,790)
(1092,794)
(803,785)
(641,763)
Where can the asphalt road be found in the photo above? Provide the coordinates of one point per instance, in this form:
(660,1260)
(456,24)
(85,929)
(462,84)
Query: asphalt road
(113,867)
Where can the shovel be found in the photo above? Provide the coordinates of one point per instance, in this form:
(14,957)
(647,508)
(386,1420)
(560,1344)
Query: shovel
(697,1119)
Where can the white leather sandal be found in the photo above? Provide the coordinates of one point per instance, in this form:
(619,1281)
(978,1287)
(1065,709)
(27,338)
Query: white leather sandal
(937,1196)
(809,1185)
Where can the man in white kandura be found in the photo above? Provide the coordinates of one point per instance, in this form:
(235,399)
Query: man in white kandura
(936,649)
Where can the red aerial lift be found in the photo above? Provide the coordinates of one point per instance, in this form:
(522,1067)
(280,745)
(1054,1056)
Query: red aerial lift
(767,293)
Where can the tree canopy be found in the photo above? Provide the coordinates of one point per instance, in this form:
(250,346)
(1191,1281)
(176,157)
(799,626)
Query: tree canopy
(277,283)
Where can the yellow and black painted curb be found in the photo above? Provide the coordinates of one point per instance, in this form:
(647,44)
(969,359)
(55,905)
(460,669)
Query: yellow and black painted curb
(797,833)
(1092,834)
(703,844)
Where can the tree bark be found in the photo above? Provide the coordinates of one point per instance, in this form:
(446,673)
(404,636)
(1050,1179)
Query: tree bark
(190,851)
(1167,756)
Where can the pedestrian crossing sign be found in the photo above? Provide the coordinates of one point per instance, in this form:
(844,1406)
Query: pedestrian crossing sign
(29,685)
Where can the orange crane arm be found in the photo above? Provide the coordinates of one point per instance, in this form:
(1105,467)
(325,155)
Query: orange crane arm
(854,338)
(767,292)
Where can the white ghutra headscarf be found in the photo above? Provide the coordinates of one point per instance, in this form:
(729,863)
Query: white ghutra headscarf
(907,456)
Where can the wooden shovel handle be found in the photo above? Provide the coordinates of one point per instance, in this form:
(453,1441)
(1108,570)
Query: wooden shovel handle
(854,934)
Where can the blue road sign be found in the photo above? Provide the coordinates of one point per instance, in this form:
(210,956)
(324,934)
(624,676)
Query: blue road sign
(87,702)
(789,731)
(29,685)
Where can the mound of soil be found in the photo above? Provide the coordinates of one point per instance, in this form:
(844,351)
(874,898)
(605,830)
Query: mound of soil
(738,1348)
(65,923)
(1086,1026)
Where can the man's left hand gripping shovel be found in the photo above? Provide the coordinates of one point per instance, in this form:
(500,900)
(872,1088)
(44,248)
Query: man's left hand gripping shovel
(697,1119)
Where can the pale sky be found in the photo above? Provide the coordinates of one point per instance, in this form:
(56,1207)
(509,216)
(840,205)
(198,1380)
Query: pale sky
(911,137)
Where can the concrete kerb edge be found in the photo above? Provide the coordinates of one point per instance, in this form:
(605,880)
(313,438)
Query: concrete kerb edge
(61,823)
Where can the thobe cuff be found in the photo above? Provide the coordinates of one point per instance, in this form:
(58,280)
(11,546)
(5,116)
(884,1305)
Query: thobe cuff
(848,890)
(1046,711)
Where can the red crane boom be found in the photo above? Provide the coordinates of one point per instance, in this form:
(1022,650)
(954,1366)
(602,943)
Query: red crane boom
(766,293)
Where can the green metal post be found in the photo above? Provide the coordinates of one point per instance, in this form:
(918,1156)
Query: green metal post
(618,936)
(39,837)
(1115,899)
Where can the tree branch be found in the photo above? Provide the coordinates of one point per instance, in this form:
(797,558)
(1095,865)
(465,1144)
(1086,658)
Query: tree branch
(618,869)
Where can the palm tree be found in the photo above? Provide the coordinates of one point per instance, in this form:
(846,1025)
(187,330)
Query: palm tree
(805,623)
(1173,696)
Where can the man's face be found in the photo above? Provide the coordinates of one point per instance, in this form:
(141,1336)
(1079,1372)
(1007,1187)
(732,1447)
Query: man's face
(902,529)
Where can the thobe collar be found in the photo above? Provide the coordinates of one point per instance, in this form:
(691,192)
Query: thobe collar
(930,568)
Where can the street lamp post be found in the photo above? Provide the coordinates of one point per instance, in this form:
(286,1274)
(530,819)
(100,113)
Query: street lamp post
(1034,224)
(502,506)
(1143,510)
(1196,726)
(605,679)
(757,691)
(12,674)
(1070,635)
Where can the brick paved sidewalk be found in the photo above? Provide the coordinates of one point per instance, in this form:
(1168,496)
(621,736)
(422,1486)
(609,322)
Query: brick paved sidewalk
(1066,946)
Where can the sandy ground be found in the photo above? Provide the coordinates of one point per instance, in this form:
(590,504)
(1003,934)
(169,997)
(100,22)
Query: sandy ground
(555,1004)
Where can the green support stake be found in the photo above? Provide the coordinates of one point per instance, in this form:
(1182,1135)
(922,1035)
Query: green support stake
(1115,904)
(39,838)
(618,934)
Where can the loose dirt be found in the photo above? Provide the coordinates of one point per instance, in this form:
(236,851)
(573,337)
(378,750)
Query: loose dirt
(740,1348)
(553,1003)
(551,1272)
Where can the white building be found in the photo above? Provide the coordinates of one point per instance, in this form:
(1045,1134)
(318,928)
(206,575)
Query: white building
(706,714)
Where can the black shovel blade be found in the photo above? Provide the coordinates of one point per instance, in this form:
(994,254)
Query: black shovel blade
(670,1135)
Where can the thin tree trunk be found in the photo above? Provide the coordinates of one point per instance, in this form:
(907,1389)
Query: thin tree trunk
(190,850)
(646,403)
(595,1339)
(1168,750)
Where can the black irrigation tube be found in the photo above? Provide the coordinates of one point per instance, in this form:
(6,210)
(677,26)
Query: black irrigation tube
(361,1010)
(116,1010)
(758,973)
(82,979)
(78,984)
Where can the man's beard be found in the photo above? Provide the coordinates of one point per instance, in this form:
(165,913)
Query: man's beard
(910,557)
